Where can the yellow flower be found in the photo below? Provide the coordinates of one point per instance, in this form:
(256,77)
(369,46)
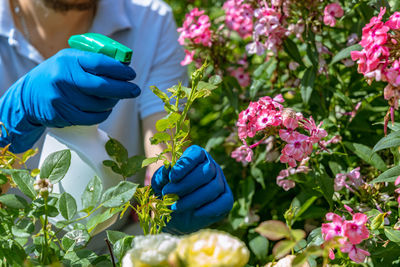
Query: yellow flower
(211,248)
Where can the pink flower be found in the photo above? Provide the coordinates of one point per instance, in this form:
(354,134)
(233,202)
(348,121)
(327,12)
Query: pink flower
(188,57)
(288,159)
(355,254)
(297,147)
(394,21)
(397,182)
(243,154)
(355,230)
(196,29)
(316,132)
(331,12)
(289,134)
(242,76)
(334,228)
(239,17)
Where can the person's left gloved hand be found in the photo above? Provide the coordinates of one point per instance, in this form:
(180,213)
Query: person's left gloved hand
(204,194)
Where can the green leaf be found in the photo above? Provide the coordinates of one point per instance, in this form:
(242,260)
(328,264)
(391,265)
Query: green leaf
(256,85)
(259,246)
(299,260)
(13,201)
(345,53)
(282,248)
(273,230)
(160,137)
(29,154)
(298,234)
(114,236)
(315,237)
(204,85)
(75,238)
(56,165)
(307,84)
(388,176)
(149,161)
(24,181)
(122,246)
(292,50)
(79,258)
(67,206)
(23,228)
(305,206)
(325,183)
(258,175)
(3,179)
(392,235)
(378,221)
(366,154)
(312,54)
(132,165)
(116,150)
(260,70)
(92,194)
(391,140)
(163,96)
(215,80)
(100,218)
(118,195)
(335,167)
(162,124)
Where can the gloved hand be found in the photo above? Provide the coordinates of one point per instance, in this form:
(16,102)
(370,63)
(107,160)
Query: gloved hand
(204,195)
(71,88)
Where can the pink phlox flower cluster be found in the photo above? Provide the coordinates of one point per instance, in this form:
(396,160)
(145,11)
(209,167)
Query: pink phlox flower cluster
(268,30)
(266,112)
(379,59)
(239,17)
(353,232)
(267,115)
(298,145)
(331,12)
(374,57)
(243,154)
(351,180)
(287,184)
(195,30)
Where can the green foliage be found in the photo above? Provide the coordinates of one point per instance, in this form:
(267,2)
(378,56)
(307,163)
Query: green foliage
(154,213)
(173,130)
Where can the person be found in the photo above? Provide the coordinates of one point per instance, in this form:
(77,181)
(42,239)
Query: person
(45,84)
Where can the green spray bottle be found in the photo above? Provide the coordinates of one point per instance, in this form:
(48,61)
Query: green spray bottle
(86,143)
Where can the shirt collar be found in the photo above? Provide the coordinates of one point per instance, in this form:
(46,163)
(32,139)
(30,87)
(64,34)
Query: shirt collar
(111,17)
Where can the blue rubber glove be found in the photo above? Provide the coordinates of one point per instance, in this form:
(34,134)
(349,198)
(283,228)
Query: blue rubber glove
(71,88)
(204,194)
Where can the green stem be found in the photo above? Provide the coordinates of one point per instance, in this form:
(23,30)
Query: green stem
(44,257)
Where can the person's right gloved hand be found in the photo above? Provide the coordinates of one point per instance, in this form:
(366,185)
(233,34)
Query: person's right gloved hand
(71,88)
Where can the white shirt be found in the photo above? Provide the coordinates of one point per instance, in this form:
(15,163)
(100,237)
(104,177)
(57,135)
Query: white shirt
(145,26)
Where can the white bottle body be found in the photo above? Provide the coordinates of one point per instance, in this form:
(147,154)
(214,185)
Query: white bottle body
(87,146)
